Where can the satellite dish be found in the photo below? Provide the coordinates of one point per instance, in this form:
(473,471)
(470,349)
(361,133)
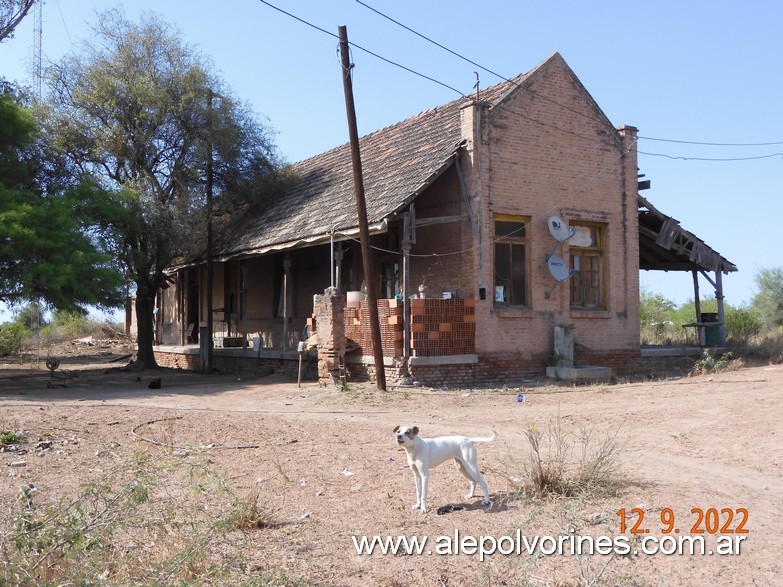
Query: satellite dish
(559,229)
(558,268)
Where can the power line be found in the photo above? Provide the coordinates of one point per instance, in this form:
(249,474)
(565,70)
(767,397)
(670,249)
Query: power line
(518,85)
(460,56)
(502,107)
(713,144)
(541,214)
(384,59)
(710,158)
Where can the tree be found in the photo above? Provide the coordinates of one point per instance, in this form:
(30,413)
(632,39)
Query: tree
(133,109)
(49,250)
(768,301)
(11,14)
(656,315)
(31,316)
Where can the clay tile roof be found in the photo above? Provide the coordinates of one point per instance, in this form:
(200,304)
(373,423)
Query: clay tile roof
(397,163)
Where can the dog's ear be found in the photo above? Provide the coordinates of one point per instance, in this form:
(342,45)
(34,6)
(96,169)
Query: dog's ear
(415,430)
(396,428)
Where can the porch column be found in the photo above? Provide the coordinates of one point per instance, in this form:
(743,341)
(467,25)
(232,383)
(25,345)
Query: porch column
(338,266)
(697,303)
(721,308)
(286,309)
(243,303)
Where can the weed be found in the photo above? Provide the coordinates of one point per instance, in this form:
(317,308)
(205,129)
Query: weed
(149,522)
(712,362)
(280,469)
(11,437)
(571,463)
(248,515)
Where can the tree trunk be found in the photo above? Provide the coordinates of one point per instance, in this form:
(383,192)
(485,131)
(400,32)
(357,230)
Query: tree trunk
(145,337)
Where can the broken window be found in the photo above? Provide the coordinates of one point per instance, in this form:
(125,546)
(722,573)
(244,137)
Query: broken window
(587,265)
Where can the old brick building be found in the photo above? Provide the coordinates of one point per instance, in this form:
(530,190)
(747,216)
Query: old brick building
(520,204)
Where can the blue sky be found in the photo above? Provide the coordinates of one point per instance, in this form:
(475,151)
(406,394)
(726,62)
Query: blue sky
(697,71)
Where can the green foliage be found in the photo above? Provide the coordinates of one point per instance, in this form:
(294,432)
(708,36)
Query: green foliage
(10,437)
(31,316)
(71,324)
(712,362)
(144,114)
(742,323)
(661,322)
(656,317)
(12,339)
(49,250)
(768,302)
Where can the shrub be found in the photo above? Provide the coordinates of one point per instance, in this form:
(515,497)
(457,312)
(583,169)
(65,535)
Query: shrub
(572,463)
(742,323)
(656,317)
(712,362)
(71,324)
(12,339)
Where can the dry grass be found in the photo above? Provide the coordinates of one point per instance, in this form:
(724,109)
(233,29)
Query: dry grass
(570,462)
(150,522)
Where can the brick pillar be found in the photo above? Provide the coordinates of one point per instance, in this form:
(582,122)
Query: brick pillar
(329,314)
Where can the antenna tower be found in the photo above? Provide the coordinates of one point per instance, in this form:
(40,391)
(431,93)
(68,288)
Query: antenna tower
(37,52)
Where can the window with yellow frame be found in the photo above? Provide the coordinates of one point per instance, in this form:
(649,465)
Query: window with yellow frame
(588,266)
(511,260)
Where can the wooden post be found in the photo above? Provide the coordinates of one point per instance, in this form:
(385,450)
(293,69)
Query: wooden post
(361,208)
(207,366)
(721,308)
(700,334)
(286,309)
(408,238)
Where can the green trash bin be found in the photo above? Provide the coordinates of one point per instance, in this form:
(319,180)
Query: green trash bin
(711,331)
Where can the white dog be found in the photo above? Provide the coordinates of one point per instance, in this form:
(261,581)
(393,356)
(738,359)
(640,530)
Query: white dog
(426,453)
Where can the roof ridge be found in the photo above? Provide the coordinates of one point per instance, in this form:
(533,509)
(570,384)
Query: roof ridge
(512,82)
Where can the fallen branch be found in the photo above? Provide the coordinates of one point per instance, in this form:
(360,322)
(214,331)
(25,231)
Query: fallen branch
(180,447)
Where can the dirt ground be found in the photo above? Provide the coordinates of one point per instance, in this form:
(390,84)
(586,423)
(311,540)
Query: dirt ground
(325,467)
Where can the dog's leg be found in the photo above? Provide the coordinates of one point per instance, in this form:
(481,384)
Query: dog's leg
(417,481)
(425,478)
(484,488)
(471,471)
(469,477)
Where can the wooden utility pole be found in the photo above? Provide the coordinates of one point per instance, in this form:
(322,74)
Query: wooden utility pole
(210,271)
(361,208)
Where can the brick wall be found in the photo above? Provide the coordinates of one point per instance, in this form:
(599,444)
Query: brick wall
(281,363)
(439,327)
(539,159)
(329,322)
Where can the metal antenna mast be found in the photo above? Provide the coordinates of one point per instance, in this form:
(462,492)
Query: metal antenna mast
(37,52)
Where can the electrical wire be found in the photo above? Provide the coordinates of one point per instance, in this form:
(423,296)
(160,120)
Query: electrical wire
(541,214)
(376,55)
(460,56)
(713,144)
(518,85)
(710,158)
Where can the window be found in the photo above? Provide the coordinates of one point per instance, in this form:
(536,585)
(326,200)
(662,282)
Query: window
(511,260)
(587,262)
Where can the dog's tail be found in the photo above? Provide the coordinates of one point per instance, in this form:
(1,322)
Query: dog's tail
(486,439)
